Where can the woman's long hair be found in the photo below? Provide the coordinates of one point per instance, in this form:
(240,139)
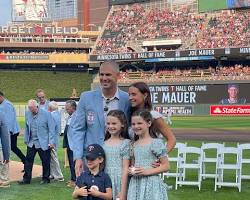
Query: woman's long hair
(122,118)
(144,89)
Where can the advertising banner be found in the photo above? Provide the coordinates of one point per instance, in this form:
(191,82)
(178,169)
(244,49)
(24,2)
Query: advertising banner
(175,55)
(237,110)
(174,110)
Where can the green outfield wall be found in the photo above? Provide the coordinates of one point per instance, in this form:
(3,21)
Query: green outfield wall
(210,5)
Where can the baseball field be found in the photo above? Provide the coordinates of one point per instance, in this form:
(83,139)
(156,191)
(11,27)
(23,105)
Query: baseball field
(192,130)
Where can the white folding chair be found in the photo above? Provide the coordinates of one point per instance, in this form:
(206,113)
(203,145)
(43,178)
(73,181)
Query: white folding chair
(173,160)
(244,148)
(221,165)
(205,147)
(183,164)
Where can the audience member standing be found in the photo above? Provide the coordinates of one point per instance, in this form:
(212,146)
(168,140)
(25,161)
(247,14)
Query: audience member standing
(4,152)
(55,170)
(88,125)
(39,137)
(10,115)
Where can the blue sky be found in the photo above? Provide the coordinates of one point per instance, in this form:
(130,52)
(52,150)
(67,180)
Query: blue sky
(5,12)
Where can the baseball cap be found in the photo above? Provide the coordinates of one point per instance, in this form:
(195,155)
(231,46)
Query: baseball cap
(94,151)
(233,85)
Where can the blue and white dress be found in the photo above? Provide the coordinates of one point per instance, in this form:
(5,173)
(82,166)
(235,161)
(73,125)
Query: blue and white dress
(148,187)
(114,158)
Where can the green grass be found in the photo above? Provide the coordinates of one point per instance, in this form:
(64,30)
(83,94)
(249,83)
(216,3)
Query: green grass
(53,191)
(201,122)
(59,191)
(20,86)
(211,122)
(207,185)
(21,121)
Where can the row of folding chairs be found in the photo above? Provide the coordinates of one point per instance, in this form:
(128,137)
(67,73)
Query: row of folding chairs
(200,160)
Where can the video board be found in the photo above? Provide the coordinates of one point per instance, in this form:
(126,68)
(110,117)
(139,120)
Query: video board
(29,10)
(192,94)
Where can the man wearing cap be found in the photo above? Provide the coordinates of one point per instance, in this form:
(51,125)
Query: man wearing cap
(233,91)
(88,124)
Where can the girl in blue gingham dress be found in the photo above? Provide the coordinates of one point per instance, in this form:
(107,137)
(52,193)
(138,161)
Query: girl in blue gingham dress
(146,183)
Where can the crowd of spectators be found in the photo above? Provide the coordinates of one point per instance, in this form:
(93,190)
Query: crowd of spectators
(235,72)
(227,29)
(135,23)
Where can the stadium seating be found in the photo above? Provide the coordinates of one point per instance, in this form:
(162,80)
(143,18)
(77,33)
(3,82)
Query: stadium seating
(236,72)
(134,24)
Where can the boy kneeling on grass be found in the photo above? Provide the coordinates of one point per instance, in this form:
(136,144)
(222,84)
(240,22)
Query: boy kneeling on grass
(94,183)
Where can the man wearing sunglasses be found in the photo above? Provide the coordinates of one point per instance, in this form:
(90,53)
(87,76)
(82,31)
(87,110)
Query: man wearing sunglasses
(88,124)
(41,98)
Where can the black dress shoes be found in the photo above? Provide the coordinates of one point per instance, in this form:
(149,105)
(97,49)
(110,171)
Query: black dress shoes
(23,182)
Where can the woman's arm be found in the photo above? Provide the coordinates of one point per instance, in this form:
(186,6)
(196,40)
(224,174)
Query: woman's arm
(164,129)
(124,181)
(163,167)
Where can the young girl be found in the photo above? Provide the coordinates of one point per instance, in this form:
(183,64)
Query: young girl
(94,184)
(146,183)
(117,151)
(139,96)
